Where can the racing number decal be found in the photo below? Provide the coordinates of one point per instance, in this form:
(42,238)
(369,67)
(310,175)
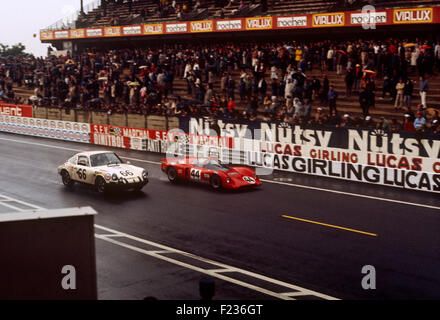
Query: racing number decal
(82,175)
(249,180)
(196,174)
(126,173)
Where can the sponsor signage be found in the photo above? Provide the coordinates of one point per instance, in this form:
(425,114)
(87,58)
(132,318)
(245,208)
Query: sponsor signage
(202,26)
(292,22)
(176,27)
(422,181)
(229,25)
(46,35)
(132,30)
(64,34)
(259,23)
(16,110)
(77,33)
(112,31)
(95,32)
(322,20)
(64,130)
(416,15)
(336,19)
(373,147)
(153,28)
(368,18)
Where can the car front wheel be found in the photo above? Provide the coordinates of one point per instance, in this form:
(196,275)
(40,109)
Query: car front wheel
(67,180)
(216,182)
(101,185)
(172,174)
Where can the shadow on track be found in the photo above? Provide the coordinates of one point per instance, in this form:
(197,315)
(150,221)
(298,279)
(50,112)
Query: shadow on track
(111,196)
(205,187)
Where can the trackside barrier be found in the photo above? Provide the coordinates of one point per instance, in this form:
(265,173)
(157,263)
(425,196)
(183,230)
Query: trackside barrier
(116,119)
(67,115)
(53,113)
(54,129)
(362,160)
(99,117)
(156,123)
(139,121)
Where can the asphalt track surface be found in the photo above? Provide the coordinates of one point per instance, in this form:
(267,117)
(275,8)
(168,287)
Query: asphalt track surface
(244,230)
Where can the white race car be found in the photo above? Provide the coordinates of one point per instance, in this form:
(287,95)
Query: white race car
(104,170)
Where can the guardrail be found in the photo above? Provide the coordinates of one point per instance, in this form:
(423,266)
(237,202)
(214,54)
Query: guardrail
(137,121)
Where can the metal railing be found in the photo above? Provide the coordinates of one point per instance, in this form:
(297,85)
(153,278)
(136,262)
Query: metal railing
(69,22)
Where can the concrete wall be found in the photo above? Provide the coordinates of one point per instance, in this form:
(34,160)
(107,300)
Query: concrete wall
(121,120)
(99,117)
(156,123)
(53,114)
(136,121)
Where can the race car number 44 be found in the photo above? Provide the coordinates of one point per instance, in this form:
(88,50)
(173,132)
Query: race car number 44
(249,180)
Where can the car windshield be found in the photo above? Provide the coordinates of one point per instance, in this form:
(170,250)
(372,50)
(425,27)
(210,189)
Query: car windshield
(104,159)
(215,165)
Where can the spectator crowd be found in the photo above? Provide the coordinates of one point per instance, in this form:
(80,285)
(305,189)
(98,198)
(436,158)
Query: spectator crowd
(270,81)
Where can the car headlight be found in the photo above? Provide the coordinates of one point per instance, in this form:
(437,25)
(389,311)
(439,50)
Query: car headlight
(228,180)
(145,174)
(108,176)
(114,177)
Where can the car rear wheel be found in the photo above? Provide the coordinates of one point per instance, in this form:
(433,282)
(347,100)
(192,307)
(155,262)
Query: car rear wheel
(172,174)
(67,181)
(101,186)
(216,182)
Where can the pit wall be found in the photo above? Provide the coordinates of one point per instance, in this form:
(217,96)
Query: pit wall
(403,160)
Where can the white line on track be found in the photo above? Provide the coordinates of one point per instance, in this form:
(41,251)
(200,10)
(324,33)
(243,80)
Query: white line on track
(223,268)
(266,181)
(351,194)
(161,251)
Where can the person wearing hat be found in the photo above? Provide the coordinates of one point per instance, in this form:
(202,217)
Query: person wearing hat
(408,125)
(346,121)
(435,127)
(369,122)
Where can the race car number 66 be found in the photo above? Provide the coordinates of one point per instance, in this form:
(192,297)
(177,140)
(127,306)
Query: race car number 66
(235,309)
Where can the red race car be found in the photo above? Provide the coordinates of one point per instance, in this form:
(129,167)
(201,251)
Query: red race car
(210,171)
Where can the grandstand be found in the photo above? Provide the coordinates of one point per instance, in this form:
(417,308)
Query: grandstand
(132,13)
(113,12)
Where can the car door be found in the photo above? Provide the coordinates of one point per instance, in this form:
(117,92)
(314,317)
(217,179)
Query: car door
(83,172)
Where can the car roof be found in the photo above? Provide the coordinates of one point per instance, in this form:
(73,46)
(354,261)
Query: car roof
(91,153)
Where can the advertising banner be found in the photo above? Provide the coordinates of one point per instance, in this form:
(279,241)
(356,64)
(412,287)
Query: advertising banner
(122,137)
(418,15)
(16,110)
(54,129)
